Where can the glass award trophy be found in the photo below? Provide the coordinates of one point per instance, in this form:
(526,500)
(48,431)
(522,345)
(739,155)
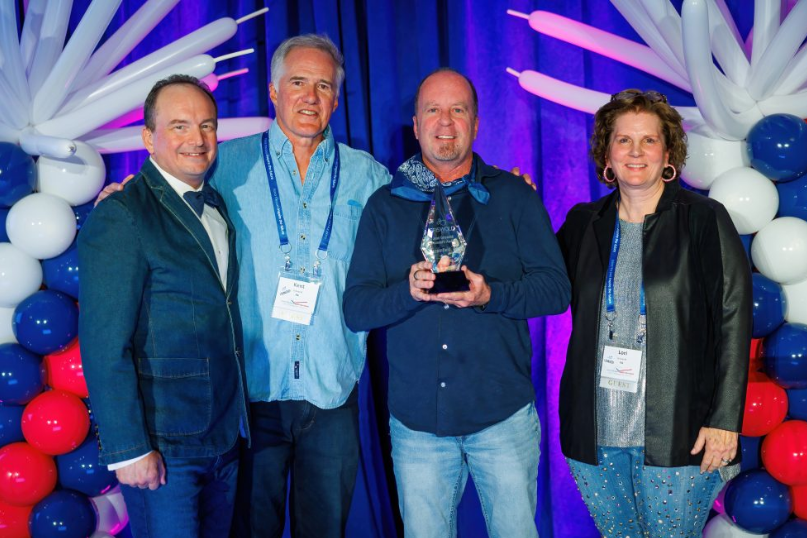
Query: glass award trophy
(442,236)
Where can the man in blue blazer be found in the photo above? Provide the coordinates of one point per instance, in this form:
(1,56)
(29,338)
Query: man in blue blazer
(160,330)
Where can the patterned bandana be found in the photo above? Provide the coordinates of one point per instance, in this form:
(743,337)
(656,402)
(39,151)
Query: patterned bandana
(414,181)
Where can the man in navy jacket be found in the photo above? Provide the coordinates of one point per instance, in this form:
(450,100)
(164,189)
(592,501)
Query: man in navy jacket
(460,392)
(160,330)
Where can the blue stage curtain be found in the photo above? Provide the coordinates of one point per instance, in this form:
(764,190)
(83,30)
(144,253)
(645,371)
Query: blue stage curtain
(389,45)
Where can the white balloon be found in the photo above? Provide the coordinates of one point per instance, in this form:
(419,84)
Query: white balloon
(779,250)
(77,179)
(129,139)
(75,54)
(48,41)
(750,198)
(765,73)
(83,120)
(124,40)
(796,295)
(709,157)
(41,225)
(722,527)
(711,100)
(6,330)
(20,275)
(111,511)
(609,45)
(34,143)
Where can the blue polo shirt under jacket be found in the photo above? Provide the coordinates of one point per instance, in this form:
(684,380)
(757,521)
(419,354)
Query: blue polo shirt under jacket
(320,363)
(455,371)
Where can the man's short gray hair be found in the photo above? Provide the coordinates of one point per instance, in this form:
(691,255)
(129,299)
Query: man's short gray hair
(308,41)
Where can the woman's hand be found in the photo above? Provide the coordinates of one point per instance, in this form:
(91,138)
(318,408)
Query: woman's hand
(721,448)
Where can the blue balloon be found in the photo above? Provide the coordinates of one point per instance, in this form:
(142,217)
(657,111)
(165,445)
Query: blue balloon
(777,147)
(750,447)
(17,174)
(797,404)
(793,198)
(62,514)
(80,470)
(11,424)
(61,273)
(769,305)
(82,211)
(22,375)
(785,353)
(796,528)
(45,322)
(746,239)
(756,502)
(3,216)
(126,532)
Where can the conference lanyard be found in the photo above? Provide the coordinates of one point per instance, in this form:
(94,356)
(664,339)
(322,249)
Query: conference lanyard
(282,232)
(610,308)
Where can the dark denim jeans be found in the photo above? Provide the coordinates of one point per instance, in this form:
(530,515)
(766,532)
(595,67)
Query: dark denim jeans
(197,499)
(320,447)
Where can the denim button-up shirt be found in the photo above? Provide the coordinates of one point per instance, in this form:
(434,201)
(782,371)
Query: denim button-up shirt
(322,362)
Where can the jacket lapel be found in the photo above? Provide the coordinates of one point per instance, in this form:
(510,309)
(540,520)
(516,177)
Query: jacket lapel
(232,263)
(180,210)
(603,223)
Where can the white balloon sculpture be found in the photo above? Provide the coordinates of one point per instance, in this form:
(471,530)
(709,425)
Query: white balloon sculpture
(64,103)
(753,79)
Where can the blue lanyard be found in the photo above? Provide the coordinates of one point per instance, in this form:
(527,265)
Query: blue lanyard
(282,233)
(610,308)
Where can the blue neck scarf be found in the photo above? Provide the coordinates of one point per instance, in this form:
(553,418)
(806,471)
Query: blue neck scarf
(414,181)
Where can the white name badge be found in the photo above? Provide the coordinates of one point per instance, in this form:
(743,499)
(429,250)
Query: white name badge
(296,299)
(620,368)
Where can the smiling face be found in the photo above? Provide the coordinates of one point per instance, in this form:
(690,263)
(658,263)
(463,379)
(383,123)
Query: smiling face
(445,124)
(183,142)
(636,152)
(305,96)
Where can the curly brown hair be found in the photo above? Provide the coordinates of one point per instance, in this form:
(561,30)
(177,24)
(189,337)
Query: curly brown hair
(675,139)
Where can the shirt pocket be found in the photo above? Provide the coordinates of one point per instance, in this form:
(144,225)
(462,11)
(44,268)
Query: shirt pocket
(343,235)
(177,395)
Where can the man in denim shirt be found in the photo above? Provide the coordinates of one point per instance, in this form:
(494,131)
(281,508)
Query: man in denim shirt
(282,188)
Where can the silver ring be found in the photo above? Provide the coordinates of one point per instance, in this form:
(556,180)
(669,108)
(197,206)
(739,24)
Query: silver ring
(725,461)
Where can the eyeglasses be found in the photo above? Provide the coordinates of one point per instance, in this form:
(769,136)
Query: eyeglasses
(651,95)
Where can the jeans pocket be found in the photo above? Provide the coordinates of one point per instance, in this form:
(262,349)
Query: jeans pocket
(177,395)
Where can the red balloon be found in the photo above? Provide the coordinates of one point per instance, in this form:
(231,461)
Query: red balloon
(799,496)
(784,453)
(14,521)
(55,422)
(765,406)
(27,475)
(757,362)
(65,371)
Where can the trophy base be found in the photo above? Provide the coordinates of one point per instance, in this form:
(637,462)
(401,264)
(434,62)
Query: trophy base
(449,281)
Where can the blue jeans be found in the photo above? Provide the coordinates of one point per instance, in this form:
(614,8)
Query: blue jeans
(629,499)
(196,500)
(431,473)
(320,448)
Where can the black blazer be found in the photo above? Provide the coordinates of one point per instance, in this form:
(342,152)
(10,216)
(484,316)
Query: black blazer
(699,314)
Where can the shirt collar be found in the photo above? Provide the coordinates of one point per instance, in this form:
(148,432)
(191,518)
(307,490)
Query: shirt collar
(280,143)
(177,184)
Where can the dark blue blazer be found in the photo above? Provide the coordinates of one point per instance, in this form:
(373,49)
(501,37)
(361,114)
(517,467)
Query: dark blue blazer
(160,336)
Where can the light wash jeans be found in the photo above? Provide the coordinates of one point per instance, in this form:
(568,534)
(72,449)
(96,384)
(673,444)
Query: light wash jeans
(431,473)
(629,499)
